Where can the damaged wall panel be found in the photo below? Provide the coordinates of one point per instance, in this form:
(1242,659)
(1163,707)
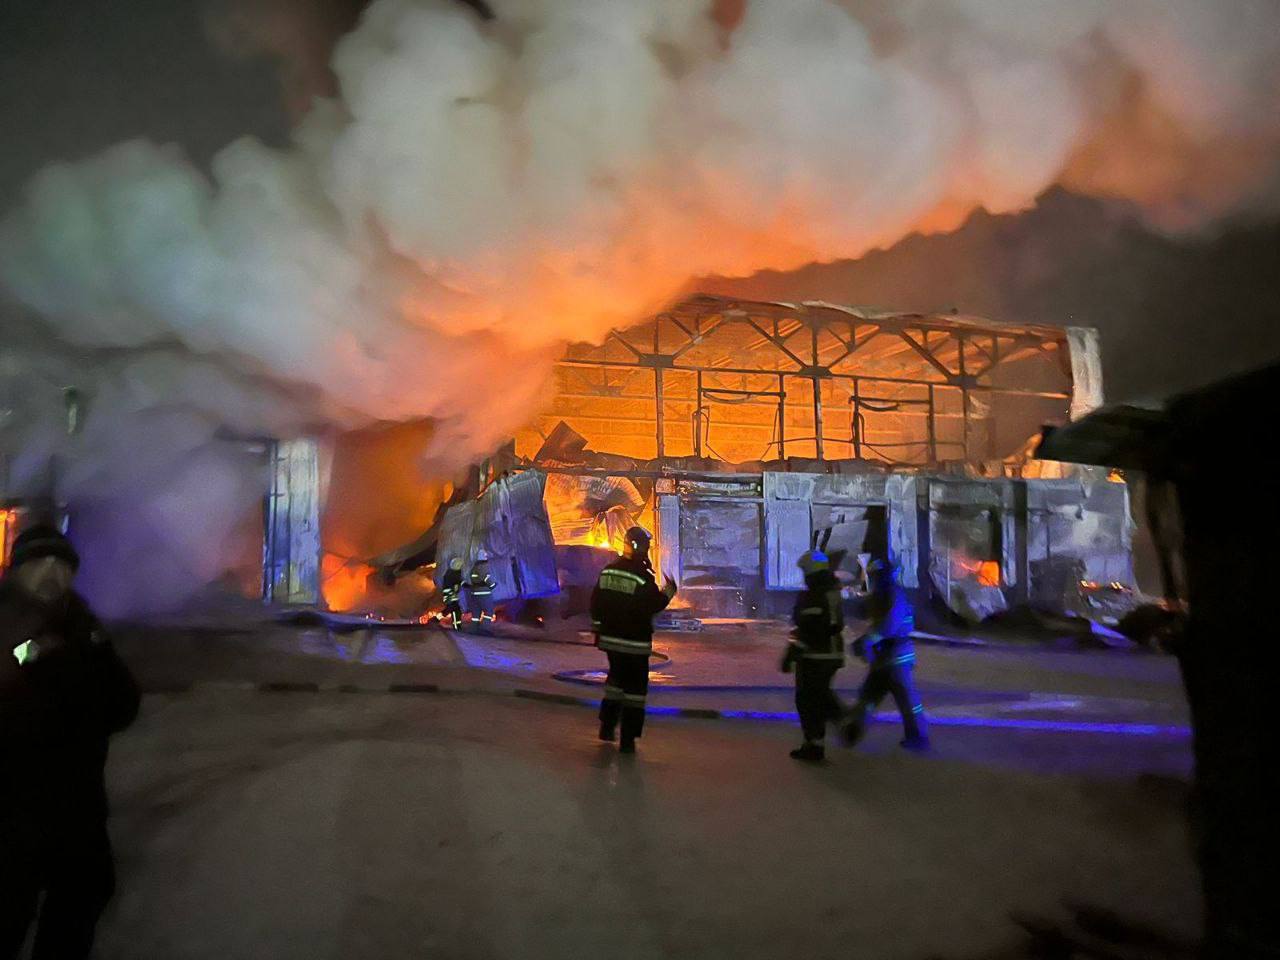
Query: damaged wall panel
(966,542)
(787,531)
(901,492)
(509,521)
(291,549)
(720,554)
(1077,530)
(668,535)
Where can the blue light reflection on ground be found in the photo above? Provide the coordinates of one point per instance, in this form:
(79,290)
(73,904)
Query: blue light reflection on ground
(1058,726)
(1053,726)
(1064,726)
(363,646)
(383,650)
(480,653)
(595,677)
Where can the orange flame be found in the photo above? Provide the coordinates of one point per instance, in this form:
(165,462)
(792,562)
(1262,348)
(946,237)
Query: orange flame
(985,572)
(342,582)
(7,519)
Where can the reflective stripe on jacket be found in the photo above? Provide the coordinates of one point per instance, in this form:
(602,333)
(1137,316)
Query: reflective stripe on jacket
(619,645)
(481,584)
(890,652)
(623,604)
(451,585)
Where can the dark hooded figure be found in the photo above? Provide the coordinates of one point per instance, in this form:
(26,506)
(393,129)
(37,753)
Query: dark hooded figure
(451,593)
(63,692)
(480,587)
(816,651)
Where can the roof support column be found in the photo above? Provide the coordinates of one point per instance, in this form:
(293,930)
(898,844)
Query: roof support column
(658,404)
(817,395)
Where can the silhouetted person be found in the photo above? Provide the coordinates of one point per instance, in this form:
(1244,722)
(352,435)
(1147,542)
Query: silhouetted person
(623,603)
(63,692)
(451,592)
(816,651)
(480,586)
(888,649)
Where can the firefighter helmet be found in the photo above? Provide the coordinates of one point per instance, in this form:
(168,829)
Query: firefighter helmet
(455,563)
(812,561)
(482,556)
(638,540)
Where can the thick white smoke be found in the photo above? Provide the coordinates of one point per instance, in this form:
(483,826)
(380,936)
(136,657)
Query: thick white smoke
(481,193)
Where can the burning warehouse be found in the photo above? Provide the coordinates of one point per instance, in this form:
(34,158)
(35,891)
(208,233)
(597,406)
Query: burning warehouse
(324,323)
(741,433)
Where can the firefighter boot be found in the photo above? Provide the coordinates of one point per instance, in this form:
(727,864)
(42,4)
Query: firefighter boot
(855,725)
(608,732)
(810,752)
(628,745)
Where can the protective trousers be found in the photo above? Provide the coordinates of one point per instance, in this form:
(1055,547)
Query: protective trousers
(815,700)
(625,690)
(453,614)
(482,607)
(894,679)
(76,873)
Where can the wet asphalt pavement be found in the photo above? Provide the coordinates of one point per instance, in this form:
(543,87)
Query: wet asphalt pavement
(469,822)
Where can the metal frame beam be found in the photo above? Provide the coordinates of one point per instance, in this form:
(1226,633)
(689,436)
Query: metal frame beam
(963,352)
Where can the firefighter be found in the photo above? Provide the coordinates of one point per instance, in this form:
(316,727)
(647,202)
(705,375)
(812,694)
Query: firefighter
(816,652)
(451,592)
(888,650)
(480,587)
(623,604)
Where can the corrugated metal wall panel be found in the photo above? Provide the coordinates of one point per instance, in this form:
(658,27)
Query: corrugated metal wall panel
(529,532)
(720,539)
(510,523)
(904,534)
(787,526)
(668,515)
(292,549)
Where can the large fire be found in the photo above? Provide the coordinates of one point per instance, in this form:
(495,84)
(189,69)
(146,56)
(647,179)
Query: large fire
(378,497)
(343,582)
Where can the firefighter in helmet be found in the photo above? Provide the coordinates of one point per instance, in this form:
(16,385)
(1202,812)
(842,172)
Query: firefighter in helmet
(891,656)
(816,652)
(480,587)
(623,604)
(451,592)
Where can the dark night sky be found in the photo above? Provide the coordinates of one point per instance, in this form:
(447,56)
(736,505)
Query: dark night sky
(77,76)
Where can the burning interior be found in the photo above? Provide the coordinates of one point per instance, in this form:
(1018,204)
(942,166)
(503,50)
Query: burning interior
(740,432)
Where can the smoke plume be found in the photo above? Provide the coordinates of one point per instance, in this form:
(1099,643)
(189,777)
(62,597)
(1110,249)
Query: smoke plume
(480,191)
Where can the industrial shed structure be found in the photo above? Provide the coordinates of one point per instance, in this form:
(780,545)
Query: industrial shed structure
(741,431)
